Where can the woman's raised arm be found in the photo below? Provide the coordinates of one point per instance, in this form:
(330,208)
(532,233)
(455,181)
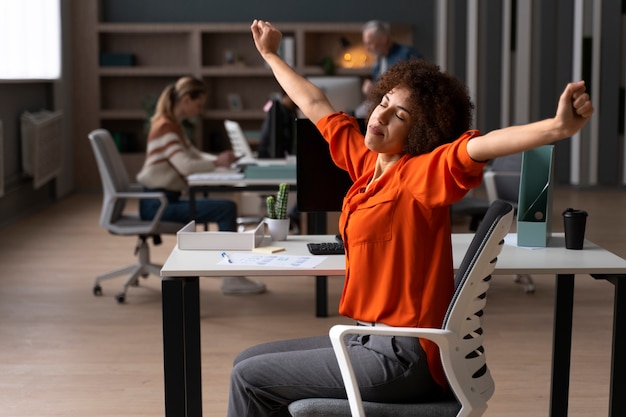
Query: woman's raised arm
(308,97)
(574,110)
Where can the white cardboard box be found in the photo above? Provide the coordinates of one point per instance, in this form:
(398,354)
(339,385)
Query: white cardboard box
(190,239)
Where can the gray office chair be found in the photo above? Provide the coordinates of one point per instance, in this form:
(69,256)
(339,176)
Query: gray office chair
(117,190)
(460,340)
(502,180)
(474,207)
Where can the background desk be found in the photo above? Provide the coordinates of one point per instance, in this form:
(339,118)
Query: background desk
(181,310)
(240,185)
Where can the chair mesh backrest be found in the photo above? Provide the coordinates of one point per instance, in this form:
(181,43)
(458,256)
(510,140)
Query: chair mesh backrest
(507,186)
(112,174)
(465,314)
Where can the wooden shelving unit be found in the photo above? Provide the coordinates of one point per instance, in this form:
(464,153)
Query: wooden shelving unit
(116,97)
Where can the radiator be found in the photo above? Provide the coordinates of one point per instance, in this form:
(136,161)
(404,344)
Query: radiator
(42,145)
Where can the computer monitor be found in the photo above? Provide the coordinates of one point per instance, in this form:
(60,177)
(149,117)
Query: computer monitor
(321,184)
(277,132)
(343,92)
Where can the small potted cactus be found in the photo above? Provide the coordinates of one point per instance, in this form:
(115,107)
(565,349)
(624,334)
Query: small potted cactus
(277,220)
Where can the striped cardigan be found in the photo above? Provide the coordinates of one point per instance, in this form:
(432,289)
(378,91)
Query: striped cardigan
(170,157)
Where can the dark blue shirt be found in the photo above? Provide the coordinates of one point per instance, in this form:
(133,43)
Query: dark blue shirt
(396,54)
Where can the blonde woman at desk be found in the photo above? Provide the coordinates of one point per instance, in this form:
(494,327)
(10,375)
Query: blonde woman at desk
(171,157)
(417,157)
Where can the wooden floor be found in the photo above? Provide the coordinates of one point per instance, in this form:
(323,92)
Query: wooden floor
(65,352)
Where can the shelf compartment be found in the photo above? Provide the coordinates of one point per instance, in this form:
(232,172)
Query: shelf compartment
(142,71)
(326,45)
(252,92)
(126,93)
(239,70)
(129,135)
(232,48)
(150,49)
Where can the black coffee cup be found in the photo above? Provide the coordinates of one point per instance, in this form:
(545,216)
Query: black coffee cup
(574,222)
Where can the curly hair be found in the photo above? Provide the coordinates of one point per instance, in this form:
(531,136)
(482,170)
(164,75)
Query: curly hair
(439,103)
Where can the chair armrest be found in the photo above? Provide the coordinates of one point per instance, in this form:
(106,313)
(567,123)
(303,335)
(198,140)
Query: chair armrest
(135,187)
(143,195)
(139,194)
(337,334)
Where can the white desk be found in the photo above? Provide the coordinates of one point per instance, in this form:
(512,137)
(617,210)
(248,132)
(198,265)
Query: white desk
(240,183)
(181,310)
(185,263)
(207,185)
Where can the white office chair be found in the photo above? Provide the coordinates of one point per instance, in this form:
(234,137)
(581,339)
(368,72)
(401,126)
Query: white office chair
(117,190)
(460,340)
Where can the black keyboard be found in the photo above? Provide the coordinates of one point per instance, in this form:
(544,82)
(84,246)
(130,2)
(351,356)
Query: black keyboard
(327,248)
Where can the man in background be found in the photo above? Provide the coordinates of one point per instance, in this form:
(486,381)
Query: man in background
(377,40)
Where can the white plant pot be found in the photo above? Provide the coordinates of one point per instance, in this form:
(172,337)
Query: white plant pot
(278,228)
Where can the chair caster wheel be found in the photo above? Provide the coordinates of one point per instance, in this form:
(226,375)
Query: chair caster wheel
(97,290)
(121,297)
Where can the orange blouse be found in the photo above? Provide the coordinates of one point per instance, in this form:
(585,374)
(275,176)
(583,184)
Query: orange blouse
(397,232)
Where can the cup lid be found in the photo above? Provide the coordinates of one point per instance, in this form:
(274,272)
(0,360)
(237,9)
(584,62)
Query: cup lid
(570,212)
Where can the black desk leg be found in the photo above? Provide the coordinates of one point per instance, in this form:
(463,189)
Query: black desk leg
(321,296)
(617,402)
(317,225)
(192,203)
(562,345)
(181,347)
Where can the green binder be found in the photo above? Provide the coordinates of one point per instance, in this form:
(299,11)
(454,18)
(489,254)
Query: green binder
(534,211)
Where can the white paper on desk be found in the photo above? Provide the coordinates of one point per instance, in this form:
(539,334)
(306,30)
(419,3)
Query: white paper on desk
(218,174)
(511,240)
(284,261)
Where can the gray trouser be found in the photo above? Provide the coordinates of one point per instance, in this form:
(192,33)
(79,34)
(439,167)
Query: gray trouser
(268,377)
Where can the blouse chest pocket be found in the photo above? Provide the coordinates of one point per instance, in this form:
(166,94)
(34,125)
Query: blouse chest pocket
(371,217)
